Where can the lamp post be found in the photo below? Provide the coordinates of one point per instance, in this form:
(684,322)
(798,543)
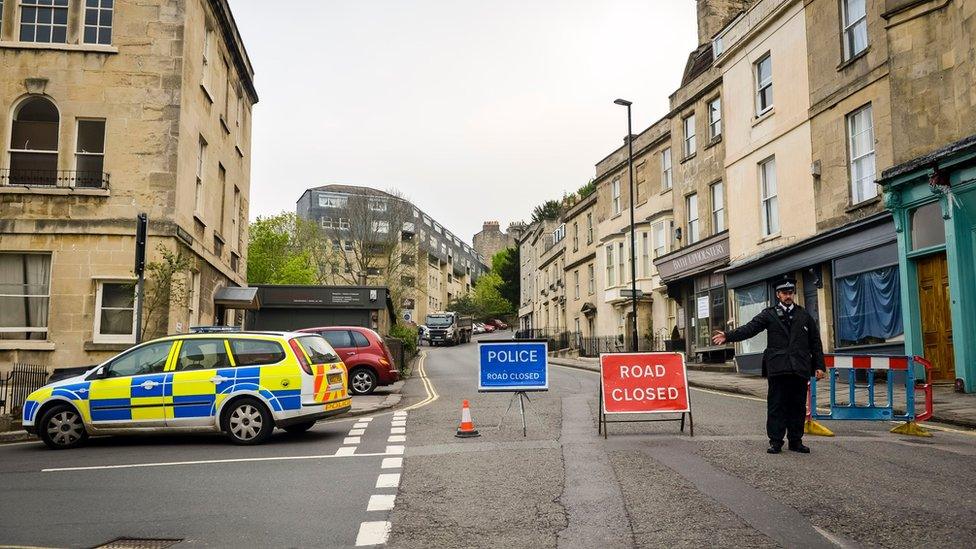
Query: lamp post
(633,234)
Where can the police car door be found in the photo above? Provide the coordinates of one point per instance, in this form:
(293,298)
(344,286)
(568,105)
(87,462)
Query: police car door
(197,370)
(131,390)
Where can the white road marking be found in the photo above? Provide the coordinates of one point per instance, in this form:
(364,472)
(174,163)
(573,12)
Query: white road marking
(351,440)
(356,432)
(360,425)
(373,533)
(393,450)
(388,480)
(345,451)
(400,413)
(381,502)
(215,461)
(397,438)
(364,419)
(392,463)
(399,423)
(398,431)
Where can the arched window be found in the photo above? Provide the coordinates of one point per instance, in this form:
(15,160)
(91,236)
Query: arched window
(34,143)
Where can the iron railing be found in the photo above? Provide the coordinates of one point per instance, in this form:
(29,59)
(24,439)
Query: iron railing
(592,346)
(21,177)
(23,380)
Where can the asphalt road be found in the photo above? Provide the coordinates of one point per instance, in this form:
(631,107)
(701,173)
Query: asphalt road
(648,485)
(294,491)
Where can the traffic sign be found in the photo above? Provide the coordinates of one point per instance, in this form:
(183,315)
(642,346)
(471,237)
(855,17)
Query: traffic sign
(513,366)
(628,293)
(644,383)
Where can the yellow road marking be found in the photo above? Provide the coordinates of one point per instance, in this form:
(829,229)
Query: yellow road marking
(428,385)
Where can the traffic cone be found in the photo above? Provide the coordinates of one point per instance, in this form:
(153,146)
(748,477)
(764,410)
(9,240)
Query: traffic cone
(466,428)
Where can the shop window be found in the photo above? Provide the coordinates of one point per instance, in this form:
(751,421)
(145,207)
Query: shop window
(749,301)
(869,308)
(928,227)
(25,294)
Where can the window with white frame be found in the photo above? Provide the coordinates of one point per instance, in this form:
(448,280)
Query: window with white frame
(576,282)
(332,201)
(860,132)
(855,27)
(115,306)
(620,262)
(691,209)
(718,207)
(341,223)
(208,44)
(25,295)
(666,169)
(381,227)
(769,204)
(660,238)
(764,84)
(615,195)
(646,253)
(611,278)
(98,21)
(640,184)
(715,118)
(589,228)
(377,205)
(44,21)
(90,153)
(689,128)
(591,283)
(575,236)
(193,303)
(198,205)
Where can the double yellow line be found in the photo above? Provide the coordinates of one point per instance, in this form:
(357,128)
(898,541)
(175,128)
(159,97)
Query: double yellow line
(428,386)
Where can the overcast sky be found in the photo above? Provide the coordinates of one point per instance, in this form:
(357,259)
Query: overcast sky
(473,110)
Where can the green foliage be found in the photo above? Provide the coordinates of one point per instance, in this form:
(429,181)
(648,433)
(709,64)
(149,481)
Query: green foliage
(407,334)
(586,190)
(506,264)
(166,286)
(488,297)
(282,251)
(550,209)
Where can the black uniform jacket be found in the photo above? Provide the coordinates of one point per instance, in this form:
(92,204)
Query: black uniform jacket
(797,351)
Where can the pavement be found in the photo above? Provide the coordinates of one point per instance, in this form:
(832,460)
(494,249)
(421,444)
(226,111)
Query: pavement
(949,406)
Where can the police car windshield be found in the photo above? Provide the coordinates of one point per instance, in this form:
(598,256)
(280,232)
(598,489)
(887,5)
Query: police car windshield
(439,320)
(318,349)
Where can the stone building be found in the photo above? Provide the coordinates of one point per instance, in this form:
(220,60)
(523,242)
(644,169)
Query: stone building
(931,187)
(383,239)
(491,240)
(108,109)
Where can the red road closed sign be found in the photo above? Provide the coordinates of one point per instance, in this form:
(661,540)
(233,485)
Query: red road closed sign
(644,383)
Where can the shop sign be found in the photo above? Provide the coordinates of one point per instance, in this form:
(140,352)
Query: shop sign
(686,262)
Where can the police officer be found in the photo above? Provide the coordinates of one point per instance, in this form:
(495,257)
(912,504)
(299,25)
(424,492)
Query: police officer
(793,353)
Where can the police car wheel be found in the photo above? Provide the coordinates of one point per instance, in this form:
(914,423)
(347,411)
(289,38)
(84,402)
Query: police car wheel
(362,381)
(247,421)
(62,428)
(298,428)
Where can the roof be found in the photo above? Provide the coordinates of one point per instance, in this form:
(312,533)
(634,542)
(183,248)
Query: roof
(353,189)
(698,62)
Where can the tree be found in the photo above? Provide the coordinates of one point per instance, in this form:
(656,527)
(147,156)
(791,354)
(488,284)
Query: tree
(550,209)
(166,287)
(586,190)
(506,265)
(285,249)
(488,297)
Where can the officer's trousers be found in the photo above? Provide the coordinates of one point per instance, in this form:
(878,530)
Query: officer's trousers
(786,408)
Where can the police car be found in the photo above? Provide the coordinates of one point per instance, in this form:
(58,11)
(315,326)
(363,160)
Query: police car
(243,384)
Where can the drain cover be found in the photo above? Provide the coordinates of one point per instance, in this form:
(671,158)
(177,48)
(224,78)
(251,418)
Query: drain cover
(139,543)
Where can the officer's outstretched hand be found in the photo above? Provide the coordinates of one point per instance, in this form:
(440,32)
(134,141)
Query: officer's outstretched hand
(718,338)
(820,374)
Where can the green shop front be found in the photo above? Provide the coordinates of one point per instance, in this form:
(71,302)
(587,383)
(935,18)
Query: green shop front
(933,202)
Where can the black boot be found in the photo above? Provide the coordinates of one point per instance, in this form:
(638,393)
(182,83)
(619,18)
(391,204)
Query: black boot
(799,447)
(774,448)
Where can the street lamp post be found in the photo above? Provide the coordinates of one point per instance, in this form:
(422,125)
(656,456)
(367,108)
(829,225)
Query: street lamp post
(633,234)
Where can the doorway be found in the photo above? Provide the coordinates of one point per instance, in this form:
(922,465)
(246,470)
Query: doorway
(933,299)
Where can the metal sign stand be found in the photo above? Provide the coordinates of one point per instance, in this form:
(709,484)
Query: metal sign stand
(522,397)
(602,420)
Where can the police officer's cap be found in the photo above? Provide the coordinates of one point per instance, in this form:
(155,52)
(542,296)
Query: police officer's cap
(786,283)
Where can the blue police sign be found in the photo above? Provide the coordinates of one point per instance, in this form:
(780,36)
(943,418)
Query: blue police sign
(513,366)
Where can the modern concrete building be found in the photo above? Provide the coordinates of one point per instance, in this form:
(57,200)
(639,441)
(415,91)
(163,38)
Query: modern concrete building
(108,109)
(379,238)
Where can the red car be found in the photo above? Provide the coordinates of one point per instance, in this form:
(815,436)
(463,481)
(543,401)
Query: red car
(366,356)
(489,328)
(499,324)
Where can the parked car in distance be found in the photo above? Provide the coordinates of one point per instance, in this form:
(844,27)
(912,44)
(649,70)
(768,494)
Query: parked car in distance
(242,384)
(478,328)
(423,333)
(489,328)
(367,358)
(499,324)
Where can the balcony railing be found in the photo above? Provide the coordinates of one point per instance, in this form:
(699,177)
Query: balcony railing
(20,177)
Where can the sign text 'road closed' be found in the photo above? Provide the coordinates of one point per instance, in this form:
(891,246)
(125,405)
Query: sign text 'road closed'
(644,383)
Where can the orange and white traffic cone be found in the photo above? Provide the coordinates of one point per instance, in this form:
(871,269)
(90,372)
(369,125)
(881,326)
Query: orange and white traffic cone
(466,428)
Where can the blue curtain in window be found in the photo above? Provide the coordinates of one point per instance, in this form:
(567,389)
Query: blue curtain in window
(869,305)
